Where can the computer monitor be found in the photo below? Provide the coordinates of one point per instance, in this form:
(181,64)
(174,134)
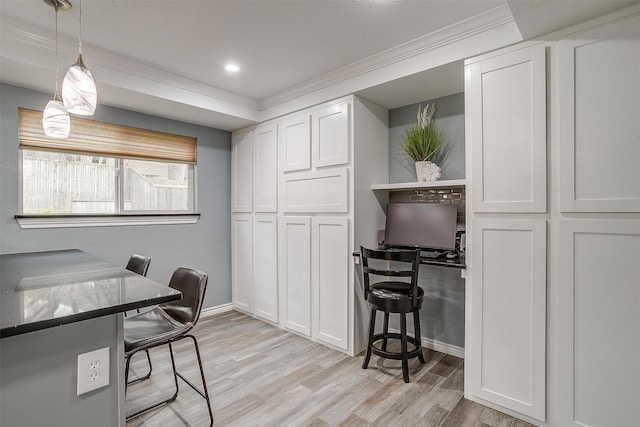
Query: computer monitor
(421,225)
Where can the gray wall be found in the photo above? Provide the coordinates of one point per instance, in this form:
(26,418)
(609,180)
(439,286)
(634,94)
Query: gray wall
(205,245)
(38,371)
(449,119)
(442,313)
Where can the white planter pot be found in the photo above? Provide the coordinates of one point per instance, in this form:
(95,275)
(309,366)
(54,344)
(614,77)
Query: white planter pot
(427,171)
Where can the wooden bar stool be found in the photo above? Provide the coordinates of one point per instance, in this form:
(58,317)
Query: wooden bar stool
(391,296)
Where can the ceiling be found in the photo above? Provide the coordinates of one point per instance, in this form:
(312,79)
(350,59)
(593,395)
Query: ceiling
(167,57)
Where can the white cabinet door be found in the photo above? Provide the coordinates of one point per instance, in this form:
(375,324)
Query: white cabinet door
(294,134)
(294,243)
(242,261)
(242,172)
(508,314)
(330,279)
(330,135)
(599,108)
(506,127)
(265,168)
(316,191)
(265,266)
(599,323)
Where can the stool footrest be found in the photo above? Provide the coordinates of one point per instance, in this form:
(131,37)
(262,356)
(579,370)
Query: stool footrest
(393,354)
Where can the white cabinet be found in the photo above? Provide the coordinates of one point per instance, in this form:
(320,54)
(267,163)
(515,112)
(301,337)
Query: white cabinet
(599,321)
(326,190)
(314,275)
(583,251)
(598,280)
(242,261)
(599,130)
(506,363)
(254,188)
(317,140)
(330,272)
(265,266)
(242,172)
(505,105)
(295,143)
(506,120)
(330,135)
(319,191)
(295,272)
(265,168)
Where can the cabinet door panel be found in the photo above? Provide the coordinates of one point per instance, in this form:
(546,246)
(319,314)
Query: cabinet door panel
(265,267)
(295,262)
(295,143)
(330,135)
(599,323)
(242,261)
(317,191)
(265,164)
(507,126)
(508,312)
(330,284)
(599,128)
(242,172)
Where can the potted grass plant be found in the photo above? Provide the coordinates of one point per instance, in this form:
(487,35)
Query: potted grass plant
(422,142)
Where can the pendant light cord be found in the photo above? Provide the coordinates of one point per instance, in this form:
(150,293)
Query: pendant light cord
(80,34)
(56,95)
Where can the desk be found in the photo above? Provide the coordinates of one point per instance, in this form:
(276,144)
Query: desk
(53,306)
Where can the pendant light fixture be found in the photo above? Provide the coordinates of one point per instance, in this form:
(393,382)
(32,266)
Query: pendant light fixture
(79,92)
(55,118)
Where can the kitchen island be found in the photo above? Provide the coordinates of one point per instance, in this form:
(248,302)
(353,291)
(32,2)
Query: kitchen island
(54,306)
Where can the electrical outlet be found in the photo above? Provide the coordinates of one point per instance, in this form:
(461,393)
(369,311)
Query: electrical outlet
(93,370)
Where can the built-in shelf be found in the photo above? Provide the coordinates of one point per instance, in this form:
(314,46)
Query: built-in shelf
(419,185)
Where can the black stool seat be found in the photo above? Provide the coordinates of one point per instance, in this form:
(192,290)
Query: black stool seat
(393,296)
(393,300)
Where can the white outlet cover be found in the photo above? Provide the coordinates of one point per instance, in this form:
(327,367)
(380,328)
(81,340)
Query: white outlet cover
(93,370)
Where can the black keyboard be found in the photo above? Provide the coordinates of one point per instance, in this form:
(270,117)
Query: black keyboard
(431,254)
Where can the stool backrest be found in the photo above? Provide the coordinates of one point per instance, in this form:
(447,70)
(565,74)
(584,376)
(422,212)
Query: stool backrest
(404,256)
(193,284)
(139,264)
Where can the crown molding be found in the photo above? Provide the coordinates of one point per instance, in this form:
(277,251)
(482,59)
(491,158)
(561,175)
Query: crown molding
(487,21)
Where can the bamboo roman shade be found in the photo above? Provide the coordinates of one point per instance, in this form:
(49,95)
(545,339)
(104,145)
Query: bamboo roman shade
(106,139)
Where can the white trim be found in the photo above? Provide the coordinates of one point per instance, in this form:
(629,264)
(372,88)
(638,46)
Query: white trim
(436,345)
(105,221)
(218,309)
(443,347)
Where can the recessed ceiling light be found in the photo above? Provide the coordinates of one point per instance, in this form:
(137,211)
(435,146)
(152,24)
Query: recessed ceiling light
(232,67)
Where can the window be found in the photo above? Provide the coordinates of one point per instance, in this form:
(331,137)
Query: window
(104,169)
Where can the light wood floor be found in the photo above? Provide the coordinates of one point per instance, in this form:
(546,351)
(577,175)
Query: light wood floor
(259,375)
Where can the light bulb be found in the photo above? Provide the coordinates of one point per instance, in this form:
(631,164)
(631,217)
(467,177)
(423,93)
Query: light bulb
(55,120)
(79,92)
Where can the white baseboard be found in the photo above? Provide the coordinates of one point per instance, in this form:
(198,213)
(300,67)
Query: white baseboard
(212,311)
(442,347)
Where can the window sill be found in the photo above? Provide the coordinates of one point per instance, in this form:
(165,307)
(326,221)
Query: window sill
(70,221)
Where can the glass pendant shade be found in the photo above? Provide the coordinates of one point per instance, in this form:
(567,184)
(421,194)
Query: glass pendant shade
(56,122)
(79,93)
